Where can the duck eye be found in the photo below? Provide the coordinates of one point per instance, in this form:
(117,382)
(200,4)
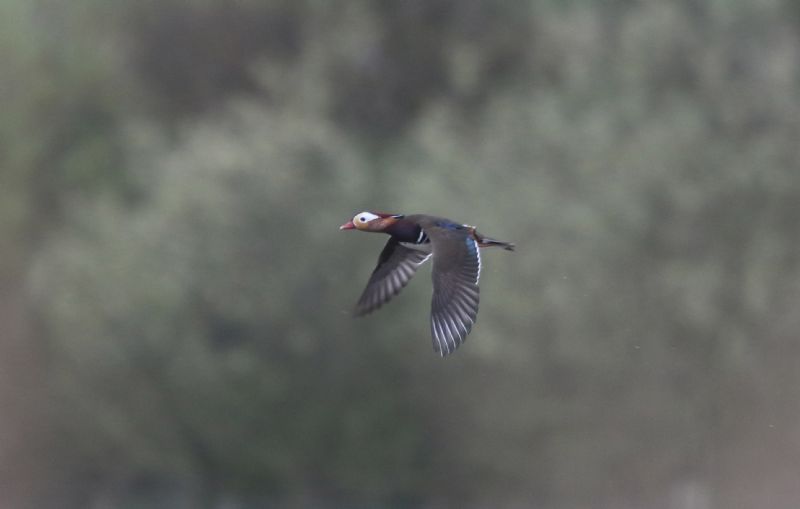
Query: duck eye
(363,219)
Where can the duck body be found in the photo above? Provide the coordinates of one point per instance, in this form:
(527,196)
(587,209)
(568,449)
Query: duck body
(407,230)
(455,249)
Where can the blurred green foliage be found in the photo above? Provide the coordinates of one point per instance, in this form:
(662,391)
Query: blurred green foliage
(176,295)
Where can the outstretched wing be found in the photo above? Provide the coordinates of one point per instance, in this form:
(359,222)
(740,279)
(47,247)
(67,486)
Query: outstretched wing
(456,269)
(396,266)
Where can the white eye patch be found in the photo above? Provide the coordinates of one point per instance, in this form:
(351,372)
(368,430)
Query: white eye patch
(364,217)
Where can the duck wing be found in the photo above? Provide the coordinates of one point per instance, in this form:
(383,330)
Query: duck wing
(456,270)
(396,266)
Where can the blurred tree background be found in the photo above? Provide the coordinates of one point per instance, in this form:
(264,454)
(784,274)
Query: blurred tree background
(175,293)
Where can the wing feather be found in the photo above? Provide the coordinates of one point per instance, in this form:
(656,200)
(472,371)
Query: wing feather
(456,270)
(397,264)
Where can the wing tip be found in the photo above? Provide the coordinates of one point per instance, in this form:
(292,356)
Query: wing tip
(448,337)
(366,308)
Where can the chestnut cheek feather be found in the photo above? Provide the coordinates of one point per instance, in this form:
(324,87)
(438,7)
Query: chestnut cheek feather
(379,225)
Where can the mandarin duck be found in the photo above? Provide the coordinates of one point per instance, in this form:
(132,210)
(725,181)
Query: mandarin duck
(455,249)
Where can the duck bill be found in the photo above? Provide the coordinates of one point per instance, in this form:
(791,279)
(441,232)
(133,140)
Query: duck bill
(347,226)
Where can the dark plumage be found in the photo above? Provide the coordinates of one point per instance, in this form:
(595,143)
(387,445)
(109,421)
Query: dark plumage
(456,269)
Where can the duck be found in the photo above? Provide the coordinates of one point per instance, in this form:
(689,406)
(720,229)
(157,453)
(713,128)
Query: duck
(413,240)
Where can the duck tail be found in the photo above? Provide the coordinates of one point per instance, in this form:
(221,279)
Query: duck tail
(488,242)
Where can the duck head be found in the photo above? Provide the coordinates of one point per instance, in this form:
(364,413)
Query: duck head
(371,221)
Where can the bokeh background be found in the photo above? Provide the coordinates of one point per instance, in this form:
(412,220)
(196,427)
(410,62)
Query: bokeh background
(175,293)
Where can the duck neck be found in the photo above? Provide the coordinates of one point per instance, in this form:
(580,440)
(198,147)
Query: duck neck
(407,231)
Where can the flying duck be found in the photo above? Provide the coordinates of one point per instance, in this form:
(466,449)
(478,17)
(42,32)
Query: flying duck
(456,255)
